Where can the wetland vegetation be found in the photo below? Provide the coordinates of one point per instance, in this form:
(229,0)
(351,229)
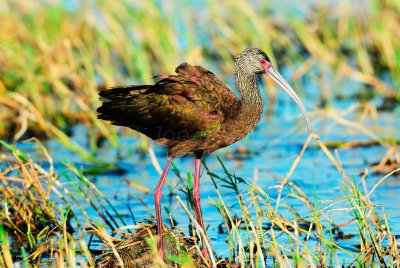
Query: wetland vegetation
(74,190)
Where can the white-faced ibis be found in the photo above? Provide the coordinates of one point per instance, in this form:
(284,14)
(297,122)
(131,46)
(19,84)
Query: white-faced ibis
(193,111)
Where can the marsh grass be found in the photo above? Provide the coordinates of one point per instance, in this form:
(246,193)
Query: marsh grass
(38,210)
(39,225)
(312,239)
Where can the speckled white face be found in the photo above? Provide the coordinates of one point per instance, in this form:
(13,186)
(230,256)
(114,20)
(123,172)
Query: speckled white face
(254,61)
(251,59)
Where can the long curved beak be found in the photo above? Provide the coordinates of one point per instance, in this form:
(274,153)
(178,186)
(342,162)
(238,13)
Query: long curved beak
(289,90)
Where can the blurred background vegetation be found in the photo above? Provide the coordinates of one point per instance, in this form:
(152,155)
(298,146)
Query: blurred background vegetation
(56,55)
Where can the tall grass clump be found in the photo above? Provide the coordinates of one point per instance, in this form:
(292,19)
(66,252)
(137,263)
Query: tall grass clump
(39,210)
(52,217)
(262,231)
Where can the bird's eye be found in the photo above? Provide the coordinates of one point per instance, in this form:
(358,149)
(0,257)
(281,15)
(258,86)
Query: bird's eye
(265,64)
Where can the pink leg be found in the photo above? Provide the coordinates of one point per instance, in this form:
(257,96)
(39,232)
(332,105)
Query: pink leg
(196,199)
(196,191)
(157,201)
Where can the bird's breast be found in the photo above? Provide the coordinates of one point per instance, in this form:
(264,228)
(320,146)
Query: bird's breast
(226,135)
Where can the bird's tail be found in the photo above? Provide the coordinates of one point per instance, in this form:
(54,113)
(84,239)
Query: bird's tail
(116,101)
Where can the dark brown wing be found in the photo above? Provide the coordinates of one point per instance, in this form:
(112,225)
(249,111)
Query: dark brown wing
(178,107)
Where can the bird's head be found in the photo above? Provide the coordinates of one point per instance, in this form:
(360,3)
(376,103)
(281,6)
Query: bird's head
(253,61)
(249,61)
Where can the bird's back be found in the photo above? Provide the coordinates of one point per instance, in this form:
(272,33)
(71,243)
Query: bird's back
(187,106)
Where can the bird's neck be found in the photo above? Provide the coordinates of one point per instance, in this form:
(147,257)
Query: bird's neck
(251,105)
